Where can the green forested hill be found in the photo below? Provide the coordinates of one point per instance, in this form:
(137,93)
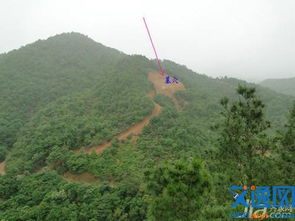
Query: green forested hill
(39,73)
(284,86)
(68,93)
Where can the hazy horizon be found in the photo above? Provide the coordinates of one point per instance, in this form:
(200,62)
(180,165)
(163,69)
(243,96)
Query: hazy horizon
(250,40)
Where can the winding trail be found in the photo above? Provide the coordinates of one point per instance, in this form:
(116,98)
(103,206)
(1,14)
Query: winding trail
(133,131)
(160,87)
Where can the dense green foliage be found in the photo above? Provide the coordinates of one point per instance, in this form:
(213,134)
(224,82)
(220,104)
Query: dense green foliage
(243,143)
(69,92)
(46,196)
(289,136)
(288,148)
(284,86)
(83,119)
(40,73)
(182,185)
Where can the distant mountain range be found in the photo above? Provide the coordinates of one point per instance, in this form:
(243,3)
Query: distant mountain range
(284,86)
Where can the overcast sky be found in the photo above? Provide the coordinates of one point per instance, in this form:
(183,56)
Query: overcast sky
(248,39)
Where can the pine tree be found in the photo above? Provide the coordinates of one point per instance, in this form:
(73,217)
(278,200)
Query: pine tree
(243,142)
(177,190)
(288,151)
(289,137)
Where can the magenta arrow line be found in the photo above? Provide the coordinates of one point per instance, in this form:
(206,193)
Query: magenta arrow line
(148,31)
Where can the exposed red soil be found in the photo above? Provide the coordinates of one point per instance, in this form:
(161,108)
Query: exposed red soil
(2,168)
(167,89)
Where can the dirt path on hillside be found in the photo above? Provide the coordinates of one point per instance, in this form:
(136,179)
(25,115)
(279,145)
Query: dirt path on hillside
(134,131)
(2,168)
(160,87)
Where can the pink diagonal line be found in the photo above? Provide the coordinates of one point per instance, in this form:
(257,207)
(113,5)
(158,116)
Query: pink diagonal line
(148,31)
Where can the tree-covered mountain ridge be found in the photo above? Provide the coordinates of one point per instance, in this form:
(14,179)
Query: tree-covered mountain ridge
(66,96)
(284,86)
(48,78)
